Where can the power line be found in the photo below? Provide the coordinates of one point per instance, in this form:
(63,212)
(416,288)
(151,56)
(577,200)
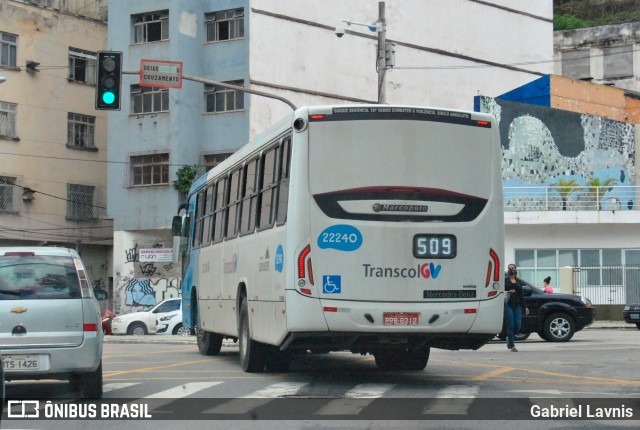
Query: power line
(50,195)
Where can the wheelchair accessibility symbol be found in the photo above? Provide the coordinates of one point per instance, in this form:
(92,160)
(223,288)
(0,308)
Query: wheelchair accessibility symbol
(331,284)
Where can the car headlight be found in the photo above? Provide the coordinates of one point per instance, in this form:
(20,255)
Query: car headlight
(167,318)
(117,320)
(627,307)
(585,301)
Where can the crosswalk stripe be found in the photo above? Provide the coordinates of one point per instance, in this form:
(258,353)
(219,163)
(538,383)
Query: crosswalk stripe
(465,394)
(183,390)
(258,398)
(117,385)
(355,400)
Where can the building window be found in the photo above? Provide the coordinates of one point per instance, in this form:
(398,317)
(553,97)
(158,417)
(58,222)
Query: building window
(149,100)
(151,169)
(81,131)
(212,160)
(220,99)
(8,113)
(618,62)
(9,48)
(151,27)
(82,66)
(576,64)
(8,195)
(225,25)
(80,203)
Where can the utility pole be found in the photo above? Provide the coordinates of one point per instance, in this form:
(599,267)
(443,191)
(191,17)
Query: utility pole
(382,63)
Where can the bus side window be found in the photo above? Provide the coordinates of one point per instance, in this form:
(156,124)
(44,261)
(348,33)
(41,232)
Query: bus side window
(267,187)
(249,198)
(197,231)
(283,184)
(207,214)
(234,205)
(221,188)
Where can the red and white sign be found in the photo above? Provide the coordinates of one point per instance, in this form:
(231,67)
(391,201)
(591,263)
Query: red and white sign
(160,74)
(155,255)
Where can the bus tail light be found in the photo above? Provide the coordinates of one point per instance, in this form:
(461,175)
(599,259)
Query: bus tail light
(493,268)
(305,270)
(301,260)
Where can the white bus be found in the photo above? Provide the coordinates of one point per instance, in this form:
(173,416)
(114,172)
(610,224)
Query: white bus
(371,228)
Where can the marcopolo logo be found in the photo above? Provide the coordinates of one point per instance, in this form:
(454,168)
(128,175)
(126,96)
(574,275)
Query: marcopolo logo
(425,270)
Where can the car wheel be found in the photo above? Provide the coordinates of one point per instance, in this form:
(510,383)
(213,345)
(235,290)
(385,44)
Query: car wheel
(559,327)
(137,329)
(89,384)
(542,335)
(638,325)
(252,353)
(181,330)
(522,336)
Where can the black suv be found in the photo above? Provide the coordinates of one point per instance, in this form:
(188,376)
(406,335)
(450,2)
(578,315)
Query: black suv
(555,317)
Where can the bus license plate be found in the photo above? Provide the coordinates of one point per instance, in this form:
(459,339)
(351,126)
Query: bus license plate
(401,318)
(20,362)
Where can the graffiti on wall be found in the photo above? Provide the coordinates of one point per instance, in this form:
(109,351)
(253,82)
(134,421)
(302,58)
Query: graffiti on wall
(541,146)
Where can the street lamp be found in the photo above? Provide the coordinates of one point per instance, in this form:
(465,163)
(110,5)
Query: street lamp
(385,57)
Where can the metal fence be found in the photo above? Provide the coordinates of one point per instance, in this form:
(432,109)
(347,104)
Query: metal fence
(608,285)
(571,198)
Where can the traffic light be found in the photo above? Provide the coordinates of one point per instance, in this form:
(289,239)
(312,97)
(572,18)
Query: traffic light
(109,80)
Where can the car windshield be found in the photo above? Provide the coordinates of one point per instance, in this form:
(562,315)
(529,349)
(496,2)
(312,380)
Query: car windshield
(29,277)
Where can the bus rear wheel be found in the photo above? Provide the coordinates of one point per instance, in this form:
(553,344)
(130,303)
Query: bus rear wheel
(252,353)
(404,359)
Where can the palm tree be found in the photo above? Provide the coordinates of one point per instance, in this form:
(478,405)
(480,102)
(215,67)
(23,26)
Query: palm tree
(598,189)
(565,188)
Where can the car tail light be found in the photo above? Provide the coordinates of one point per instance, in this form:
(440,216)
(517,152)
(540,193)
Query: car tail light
(91,327)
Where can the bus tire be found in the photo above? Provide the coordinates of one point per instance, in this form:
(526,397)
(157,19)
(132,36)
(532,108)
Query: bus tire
(409,359)
(276,360)
(208,343)
(252,353)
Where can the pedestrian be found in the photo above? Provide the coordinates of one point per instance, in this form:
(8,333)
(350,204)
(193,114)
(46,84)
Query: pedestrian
(547,287)
(513,306)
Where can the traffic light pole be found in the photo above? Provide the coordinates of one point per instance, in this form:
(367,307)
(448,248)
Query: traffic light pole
(225,85)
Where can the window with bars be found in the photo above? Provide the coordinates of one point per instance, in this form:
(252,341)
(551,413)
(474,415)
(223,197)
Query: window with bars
(81,131)
(8,49)
(150,27)
(80,202)
(221,99)
(212,160)
(149,100)
(8,113)
(150,169)
(82,66)
(8,204)
(225,25)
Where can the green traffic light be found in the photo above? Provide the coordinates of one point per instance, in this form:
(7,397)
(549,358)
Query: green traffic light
(108,97)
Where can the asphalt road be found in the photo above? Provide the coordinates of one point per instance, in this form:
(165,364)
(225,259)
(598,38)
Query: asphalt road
(459,389)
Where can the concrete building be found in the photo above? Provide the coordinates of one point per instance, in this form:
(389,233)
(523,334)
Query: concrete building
(53,144)
(608,55)
(446,51)
(570,185)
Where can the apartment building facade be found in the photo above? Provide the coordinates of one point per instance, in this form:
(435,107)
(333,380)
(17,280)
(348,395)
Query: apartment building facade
(53,144)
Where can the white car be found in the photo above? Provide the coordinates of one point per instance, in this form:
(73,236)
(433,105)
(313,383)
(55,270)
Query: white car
(144,321)
(172,324)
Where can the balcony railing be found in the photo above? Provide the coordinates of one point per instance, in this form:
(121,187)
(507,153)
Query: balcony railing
(577,198)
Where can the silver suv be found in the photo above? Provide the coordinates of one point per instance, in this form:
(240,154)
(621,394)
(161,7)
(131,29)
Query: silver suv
(50,325)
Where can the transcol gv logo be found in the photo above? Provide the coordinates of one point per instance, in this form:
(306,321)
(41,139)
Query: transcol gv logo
(425,270)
